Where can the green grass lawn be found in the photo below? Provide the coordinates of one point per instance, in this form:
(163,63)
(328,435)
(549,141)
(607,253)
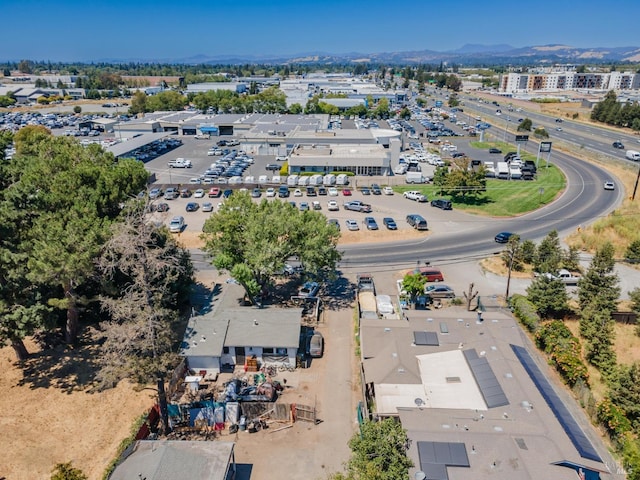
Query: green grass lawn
(505,198)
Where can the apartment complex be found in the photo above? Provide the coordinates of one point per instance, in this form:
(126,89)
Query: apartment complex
(568,80)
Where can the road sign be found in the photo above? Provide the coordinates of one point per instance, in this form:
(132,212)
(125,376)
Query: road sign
(545,147)
(522,138)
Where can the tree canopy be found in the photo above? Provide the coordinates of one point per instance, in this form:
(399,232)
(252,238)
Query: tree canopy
(254,240)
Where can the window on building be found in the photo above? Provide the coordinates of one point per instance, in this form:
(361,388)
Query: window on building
(267,350)
(281,351)
(225,349)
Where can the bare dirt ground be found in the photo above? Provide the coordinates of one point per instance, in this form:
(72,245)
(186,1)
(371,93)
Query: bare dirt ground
(49,415)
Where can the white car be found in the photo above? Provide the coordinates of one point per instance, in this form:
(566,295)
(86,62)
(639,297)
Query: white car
(387,191)
(297,192)
(609,185)
(207,207)
(332,206)
(333,192)
(271,192)
(199,193)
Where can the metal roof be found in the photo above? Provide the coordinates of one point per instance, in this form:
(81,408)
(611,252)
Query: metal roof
(131,144)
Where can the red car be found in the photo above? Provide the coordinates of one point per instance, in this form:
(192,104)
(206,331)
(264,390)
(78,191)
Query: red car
(346,192)
(214,192)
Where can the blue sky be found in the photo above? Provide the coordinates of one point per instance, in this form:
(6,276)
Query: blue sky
(71,30)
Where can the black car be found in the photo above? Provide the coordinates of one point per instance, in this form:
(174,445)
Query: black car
(192,206)
(458,155)
(618,145)
(495,150)
(162,207)
(503,237)
(375,189)
(322,191)
(311,191)
(272,166)
(390,223)
(227,193)
(370,223)
(365,191)
(441,203)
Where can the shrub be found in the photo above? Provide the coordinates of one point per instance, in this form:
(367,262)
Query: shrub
(525,311)
(564,351)
(612,418)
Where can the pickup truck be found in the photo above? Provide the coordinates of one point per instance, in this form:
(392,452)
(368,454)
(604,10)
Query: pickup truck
(357,206)
(180,163)
(565,276)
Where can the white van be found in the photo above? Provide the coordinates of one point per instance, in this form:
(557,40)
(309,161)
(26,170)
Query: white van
(303,181)
(329,180)
(292,180)
(342,179)
(633,155)
(249,179)
(235,180)
(276,179)
(262,179)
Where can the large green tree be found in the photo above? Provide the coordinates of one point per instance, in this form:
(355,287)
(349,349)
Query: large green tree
(253,240)
(549,296)
(599,285)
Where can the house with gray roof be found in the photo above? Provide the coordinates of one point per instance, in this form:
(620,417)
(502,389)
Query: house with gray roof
(177,460)
(222,334)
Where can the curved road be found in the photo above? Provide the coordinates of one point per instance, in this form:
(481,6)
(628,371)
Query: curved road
(583,201)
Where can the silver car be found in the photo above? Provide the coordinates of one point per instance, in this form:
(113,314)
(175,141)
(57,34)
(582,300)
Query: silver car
(176,224)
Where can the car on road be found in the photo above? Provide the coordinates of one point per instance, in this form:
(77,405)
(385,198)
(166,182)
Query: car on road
(207,207)
(441,203)
(334,222)
(370,223)
(199,193)
(346,192)
(558,129)
(309,289)
(503,237)
(333,191)
(618,145)
(390,223)
(192,206)
(387,191)
(415,195)
(439,291)
(176,224)
(608,185)
(495,150)
(352,225)
(271,192)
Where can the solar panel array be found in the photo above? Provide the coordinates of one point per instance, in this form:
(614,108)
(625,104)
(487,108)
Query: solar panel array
(435,457)
(426,338)
(485,378)
(570,426)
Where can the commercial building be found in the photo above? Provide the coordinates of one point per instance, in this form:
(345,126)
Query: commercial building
(550,81)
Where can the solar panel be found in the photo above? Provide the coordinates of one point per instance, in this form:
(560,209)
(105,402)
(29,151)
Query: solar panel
(485,378)
(426,338)
(570,426)
(435,457)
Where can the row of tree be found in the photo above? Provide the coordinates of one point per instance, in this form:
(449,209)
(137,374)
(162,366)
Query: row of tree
(612,112)
(75,247)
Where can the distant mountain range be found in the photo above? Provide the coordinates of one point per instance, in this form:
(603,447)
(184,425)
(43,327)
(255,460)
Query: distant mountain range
(471,54)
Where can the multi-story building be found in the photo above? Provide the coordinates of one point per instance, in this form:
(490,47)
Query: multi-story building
(566,80)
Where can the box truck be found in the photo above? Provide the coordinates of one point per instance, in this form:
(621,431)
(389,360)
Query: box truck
(415,177)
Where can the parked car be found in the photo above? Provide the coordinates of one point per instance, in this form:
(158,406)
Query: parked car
(199,193)
(417,221)
(322,191)
(311,191)
(316,345)
(316,205)
(207,207)
(297,192)
(303,206)
(334,222)
(155,193)
(346,192)
(441,203)
(176,224)
(432,274)
(309,289)
(272,166)
(375,189)
(439,291)
(365,191)
(503,237)
(215,192)
(352,225)
(162,207)
(390,223)
(333,191)
(271,192)
(256,193)
(185,193)
(495,150)
(227,193)
(332,206)
(387,191)
(192,206)
(283,191)
(370,223)
(415,195)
